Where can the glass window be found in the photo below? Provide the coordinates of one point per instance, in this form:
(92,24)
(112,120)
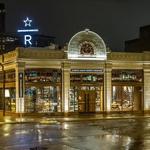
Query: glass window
(86,78)
(43,75)
(10,99)
(43,90)
(122,98)
(73,105)
(43,99)
(127,75)
(9,76)
(10,91)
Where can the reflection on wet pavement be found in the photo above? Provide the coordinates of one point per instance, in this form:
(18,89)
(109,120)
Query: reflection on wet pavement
(119,134)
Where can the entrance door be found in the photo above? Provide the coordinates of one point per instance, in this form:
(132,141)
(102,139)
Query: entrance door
(86,101)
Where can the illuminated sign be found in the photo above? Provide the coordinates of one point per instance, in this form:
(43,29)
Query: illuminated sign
(27,22)
(87,70)
(27,39)
(27,32)
(21,84)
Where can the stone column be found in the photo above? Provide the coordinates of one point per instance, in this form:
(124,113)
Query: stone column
(107,87)
(65,86)
(138,98)
(146,87)
(20,84)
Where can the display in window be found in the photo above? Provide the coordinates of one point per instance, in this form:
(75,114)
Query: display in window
(127,75)
(44,99)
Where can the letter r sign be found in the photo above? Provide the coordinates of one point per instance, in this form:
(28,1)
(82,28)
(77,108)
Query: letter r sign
(27,39)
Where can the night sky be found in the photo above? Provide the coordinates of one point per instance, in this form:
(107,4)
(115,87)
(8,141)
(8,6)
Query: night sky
(114,20)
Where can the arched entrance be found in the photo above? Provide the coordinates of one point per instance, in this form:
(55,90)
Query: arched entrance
(87,77)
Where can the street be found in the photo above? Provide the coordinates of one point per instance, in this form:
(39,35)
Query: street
(115,134)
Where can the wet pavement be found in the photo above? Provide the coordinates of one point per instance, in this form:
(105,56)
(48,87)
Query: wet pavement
(113,134)
(48,119)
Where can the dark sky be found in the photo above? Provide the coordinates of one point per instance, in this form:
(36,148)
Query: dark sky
(114,20)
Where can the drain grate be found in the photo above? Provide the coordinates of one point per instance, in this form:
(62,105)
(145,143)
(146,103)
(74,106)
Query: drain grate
(38,148)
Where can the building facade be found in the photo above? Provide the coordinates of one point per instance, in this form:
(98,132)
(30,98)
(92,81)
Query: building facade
(141,43)
(2,18)
(82,77)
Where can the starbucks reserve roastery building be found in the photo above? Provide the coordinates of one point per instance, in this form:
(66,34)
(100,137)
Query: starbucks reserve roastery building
(81,77)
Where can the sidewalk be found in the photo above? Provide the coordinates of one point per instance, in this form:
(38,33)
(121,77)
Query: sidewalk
(74,118)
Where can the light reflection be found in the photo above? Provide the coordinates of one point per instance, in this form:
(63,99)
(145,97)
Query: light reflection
(39,135)
(6,134)
(148,124)
(126,141)
(7,120)
(50,139)
(20,119)
(21,132)
(65,126)
(7,127)
(37,126)
(66,119)
(48,121)
(66,105)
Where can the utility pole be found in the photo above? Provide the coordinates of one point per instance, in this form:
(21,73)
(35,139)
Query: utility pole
(2,49)
(3,88)
(3,71)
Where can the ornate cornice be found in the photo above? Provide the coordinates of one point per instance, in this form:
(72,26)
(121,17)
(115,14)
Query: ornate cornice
(10,56)
(40,53)
(47,54)
(123,56)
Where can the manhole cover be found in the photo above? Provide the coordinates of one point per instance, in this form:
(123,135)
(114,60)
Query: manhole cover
(38,148)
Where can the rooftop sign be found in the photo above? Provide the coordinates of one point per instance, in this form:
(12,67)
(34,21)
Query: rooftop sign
(27,31)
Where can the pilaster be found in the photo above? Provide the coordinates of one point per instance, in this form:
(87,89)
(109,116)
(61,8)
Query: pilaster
(147,87)
(107,87)
(20,87)
(65,86)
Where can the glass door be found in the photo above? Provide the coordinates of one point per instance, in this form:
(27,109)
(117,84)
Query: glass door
(86,101)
